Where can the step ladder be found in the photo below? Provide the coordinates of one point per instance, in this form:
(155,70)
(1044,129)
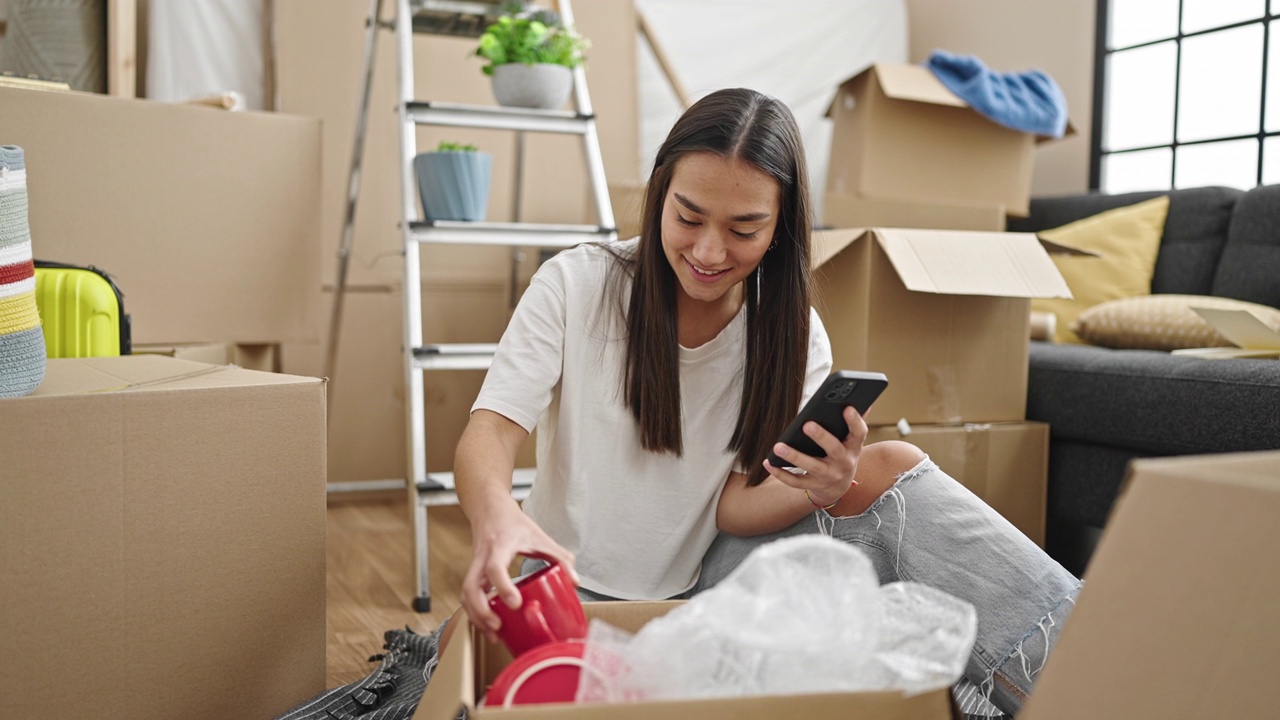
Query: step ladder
(466,18)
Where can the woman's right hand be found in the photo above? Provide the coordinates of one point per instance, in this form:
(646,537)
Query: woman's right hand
(497,540)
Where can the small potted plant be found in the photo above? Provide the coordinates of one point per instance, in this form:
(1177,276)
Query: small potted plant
(531,54)
(453,182)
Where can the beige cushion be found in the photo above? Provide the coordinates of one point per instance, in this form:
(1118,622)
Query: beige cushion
(1162,322)
(1127,240)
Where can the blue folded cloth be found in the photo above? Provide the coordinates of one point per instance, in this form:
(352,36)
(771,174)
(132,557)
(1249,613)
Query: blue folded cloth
(1029,101)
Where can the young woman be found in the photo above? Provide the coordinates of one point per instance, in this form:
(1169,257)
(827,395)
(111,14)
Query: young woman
(659,372)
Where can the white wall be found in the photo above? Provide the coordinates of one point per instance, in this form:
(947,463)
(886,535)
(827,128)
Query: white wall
(1056,36)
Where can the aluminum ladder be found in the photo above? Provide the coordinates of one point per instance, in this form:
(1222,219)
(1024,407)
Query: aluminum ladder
(465,18)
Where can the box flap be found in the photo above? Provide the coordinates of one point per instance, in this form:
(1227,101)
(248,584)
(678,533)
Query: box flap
(1055,247)
(826,244)
(906,82)
(915,83)
(972,263)
(1187,619)
(452,685)
(1242,328)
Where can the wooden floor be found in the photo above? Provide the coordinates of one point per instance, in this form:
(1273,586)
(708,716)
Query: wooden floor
(370,575)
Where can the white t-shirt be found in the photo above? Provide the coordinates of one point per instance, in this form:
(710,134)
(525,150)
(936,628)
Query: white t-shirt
(638,522)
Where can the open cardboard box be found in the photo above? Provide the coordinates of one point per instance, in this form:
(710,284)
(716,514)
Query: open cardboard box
(899,133)
(470,663)
(1178,618)
(945,314)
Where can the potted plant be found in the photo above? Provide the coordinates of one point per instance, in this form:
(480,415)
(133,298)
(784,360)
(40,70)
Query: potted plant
(531,54)
(453,182)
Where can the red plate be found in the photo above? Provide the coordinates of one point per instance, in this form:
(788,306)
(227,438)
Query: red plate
(546,674)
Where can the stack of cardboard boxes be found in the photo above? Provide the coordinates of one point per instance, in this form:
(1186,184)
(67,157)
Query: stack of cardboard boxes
(162,521)
(935,295)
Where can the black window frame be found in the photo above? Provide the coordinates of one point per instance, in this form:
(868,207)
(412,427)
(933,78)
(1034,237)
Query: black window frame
(1102,53)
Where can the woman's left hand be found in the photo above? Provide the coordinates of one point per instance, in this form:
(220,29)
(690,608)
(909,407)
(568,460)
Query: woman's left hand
(826,479)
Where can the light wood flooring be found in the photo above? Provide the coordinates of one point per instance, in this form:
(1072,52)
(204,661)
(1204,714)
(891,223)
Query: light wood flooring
(370,575)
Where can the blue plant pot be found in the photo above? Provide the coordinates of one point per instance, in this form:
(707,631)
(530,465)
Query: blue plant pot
(454,185)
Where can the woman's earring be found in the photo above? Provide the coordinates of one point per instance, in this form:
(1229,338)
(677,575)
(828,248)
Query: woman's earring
(772,245)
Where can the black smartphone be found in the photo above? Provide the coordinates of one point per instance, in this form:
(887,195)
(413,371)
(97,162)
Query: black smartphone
(840,390)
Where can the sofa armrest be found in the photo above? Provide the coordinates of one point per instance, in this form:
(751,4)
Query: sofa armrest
(1154,402)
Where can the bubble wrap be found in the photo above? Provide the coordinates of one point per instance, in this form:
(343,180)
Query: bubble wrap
(799,615)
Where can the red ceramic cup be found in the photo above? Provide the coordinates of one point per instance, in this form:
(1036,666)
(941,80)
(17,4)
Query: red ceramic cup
(550,612)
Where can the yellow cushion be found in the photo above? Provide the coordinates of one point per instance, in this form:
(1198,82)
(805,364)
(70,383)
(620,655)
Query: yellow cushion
(1162,322)
(1127,239)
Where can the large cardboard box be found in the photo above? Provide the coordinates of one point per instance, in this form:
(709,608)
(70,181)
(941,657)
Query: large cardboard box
(1005,464)
(208,220)
(945,314)
(470,663)
(162,541)
(1179,615)
(842,210)
(899,133)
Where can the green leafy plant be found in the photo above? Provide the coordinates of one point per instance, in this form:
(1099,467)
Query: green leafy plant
(446,146)
(531,38)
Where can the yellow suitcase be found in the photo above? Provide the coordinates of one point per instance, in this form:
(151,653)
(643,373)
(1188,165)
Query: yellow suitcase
(81,311)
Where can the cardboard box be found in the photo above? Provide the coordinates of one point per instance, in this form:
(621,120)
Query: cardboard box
(263,357)
(1179,615)
(1005,464)
(945,314)
(208,221)
(899,133)
(843,211)
(162,541)
(470,663)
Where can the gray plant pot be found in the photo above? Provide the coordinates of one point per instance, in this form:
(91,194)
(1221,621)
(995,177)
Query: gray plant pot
(543,86)
(454,185)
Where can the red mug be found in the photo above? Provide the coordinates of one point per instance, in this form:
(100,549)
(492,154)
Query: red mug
(550,611)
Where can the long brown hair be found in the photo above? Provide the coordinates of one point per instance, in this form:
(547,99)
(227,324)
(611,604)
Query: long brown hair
(760,130)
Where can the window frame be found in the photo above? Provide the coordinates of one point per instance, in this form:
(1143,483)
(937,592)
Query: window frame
(1101,55)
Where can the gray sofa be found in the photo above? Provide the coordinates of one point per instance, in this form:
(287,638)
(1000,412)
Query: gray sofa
(1106,407)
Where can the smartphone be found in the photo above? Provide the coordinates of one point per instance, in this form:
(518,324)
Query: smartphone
(841,389)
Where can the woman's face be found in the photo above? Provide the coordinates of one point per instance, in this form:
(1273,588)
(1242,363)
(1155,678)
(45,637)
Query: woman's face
(718,219)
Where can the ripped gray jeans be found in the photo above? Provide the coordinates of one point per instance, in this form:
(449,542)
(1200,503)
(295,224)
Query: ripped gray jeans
(930,529)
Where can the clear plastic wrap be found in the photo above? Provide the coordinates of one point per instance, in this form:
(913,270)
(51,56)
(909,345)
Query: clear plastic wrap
(800,615)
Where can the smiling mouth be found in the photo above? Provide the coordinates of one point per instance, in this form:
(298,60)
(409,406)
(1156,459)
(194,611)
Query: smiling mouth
(704,273)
